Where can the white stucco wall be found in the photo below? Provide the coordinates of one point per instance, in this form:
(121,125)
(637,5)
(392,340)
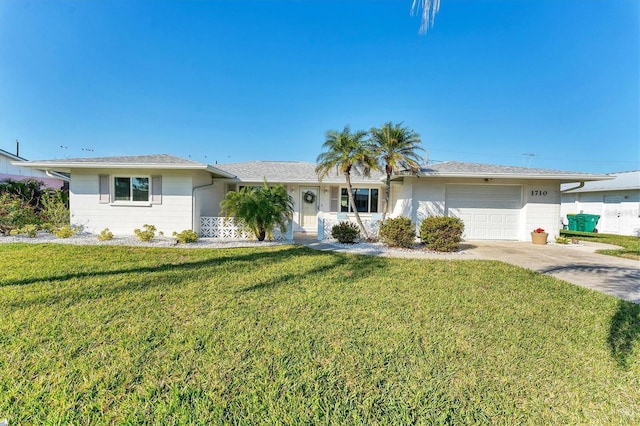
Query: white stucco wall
(174,214)
(401,199)
(428,200)
(619,211)
(541,208)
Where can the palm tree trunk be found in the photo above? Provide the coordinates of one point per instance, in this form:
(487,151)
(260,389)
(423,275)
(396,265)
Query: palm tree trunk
(355,210)
(387,195)
(262,232)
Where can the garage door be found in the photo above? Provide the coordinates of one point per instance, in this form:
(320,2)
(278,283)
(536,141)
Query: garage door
(488,212)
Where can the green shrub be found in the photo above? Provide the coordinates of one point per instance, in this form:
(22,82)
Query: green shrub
(65,232)
(398,232)
(30,231)
(345,232)
(15,213)
(259,209)
(442,233)
(54,209)
(105,235)
(148,234)
(186,236)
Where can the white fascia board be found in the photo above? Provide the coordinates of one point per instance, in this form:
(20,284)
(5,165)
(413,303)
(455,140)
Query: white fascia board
(63,166)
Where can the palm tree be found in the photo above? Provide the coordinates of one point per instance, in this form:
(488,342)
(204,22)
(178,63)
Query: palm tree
(347,153)
(260,209)
(429,10)
(396,147)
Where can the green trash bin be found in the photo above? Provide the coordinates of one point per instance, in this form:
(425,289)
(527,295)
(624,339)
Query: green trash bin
(573,223)
(587,222)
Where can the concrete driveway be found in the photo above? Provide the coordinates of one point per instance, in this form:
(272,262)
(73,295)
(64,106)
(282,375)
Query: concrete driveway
(577,264)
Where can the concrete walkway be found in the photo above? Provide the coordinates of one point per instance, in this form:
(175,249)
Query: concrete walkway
(577,264)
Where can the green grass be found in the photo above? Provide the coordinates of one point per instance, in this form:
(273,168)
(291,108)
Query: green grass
(288,335)
(630,245)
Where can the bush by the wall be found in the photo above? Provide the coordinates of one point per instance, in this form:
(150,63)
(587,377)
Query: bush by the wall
(148,234)
(398,232)
(65,232)
(186,236)
(442,233)
(54,209)
(105,235)
(30,231)
(345,232)
(15,213)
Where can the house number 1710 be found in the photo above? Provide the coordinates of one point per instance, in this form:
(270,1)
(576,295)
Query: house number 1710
(539,193)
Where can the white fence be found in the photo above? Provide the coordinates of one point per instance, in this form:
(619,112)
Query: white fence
(372,226)
(227,229)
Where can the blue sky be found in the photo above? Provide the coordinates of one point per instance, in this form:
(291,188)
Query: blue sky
(233,80)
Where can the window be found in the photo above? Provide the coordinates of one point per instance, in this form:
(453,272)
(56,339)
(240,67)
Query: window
(365,200)
(131,189)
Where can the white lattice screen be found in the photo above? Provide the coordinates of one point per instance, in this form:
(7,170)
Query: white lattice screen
(227,229)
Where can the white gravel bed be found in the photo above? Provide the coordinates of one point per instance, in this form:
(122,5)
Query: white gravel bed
(378,248)
(130,240)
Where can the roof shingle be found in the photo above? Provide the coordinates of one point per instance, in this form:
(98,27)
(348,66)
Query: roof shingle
(288,172)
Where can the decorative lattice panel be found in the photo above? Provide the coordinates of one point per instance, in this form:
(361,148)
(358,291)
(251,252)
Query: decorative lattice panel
(227,229)
(223,228)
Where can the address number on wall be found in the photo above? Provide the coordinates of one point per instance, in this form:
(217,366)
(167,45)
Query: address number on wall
(539,193)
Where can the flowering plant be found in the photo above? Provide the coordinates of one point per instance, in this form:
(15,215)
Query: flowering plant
(538,231)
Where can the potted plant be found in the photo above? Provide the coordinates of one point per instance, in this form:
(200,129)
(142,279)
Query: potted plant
(539,236)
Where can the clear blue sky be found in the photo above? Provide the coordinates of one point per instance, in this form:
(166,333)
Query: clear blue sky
(235,80)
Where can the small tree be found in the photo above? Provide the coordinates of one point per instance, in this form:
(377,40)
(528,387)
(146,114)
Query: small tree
(260,209)
(396,147)
(347,153)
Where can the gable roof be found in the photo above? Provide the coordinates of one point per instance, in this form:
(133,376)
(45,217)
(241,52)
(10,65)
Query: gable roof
(289,172)
(621,181)
(160,161)
(304,172)
(478,170)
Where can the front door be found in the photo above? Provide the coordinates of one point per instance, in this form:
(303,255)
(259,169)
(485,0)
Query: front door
(309,208)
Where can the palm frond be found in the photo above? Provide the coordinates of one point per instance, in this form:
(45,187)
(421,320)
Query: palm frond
(429,10)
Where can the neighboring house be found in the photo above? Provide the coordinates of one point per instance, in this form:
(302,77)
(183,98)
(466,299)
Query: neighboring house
(616,201)
(495,202)
(11,168)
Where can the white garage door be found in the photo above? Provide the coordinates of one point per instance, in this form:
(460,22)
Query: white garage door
(488,212)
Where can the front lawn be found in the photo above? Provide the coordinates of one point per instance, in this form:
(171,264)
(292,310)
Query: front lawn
(288,335)
(630,245)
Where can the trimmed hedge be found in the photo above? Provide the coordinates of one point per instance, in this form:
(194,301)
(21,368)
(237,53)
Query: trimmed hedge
(442,233)
(346,232)
(398,232)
